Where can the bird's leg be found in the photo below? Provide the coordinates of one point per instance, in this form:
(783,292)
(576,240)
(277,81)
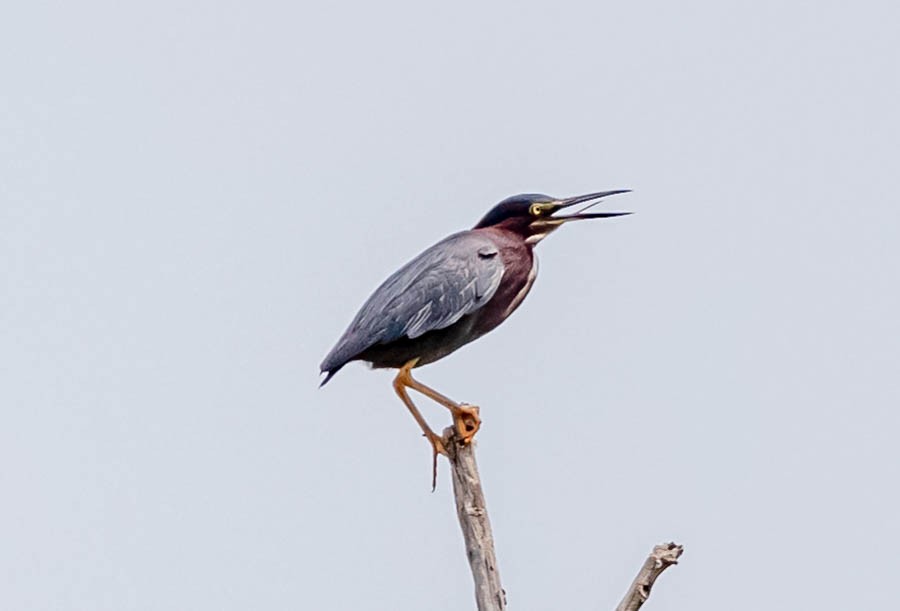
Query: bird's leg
(465,417)
(437,444)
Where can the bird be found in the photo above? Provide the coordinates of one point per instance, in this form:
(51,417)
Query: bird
(451,294)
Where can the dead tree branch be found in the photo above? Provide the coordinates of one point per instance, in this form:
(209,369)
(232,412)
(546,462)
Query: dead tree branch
(476,529)
(474,522)
(662,557)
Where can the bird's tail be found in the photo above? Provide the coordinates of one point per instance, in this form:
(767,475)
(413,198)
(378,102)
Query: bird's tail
(328,376)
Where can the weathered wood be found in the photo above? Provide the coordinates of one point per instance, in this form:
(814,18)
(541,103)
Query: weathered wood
(474,522)
(476,529)
(662,557)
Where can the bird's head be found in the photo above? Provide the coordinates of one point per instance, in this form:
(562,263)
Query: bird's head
(533,216)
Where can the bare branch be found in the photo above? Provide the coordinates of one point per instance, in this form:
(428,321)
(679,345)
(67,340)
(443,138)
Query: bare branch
(476,529)
(662,557)
(473,519)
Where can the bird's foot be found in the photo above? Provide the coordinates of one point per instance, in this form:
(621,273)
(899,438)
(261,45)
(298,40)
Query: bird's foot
(437,447)
(467,421)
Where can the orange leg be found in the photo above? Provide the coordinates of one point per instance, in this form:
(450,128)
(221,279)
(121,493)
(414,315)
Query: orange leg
(437,444)
(465,417)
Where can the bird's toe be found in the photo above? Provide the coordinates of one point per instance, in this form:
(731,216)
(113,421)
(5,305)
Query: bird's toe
(467,421)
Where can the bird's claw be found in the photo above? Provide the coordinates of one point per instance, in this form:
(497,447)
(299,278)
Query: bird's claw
(467,421)
(437,447)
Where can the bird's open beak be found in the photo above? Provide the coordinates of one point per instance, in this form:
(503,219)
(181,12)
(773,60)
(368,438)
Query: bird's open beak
(593,198)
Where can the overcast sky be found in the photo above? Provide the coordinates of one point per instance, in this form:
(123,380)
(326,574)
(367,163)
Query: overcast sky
(195,198)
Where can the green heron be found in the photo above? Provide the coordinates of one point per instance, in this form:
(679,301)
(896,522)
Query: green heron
(452,294)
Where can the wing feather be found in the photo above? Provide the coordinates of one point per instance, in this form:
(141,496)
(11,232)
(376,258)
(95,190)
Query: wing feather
(453,278)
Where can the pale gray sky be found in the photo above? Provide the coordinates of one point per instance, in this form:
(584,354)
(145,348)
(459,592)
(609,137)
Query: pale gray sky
(195,199)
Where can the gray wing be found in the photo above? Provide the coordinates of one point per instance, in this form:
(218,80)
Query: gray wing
(455,277)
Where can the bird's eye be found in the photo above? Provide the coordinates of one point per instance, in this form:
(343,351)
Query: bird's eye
(535,210)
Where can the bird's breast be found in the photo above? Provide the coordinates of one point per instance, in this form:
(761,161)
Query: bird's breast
(529,281)
(519,272)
